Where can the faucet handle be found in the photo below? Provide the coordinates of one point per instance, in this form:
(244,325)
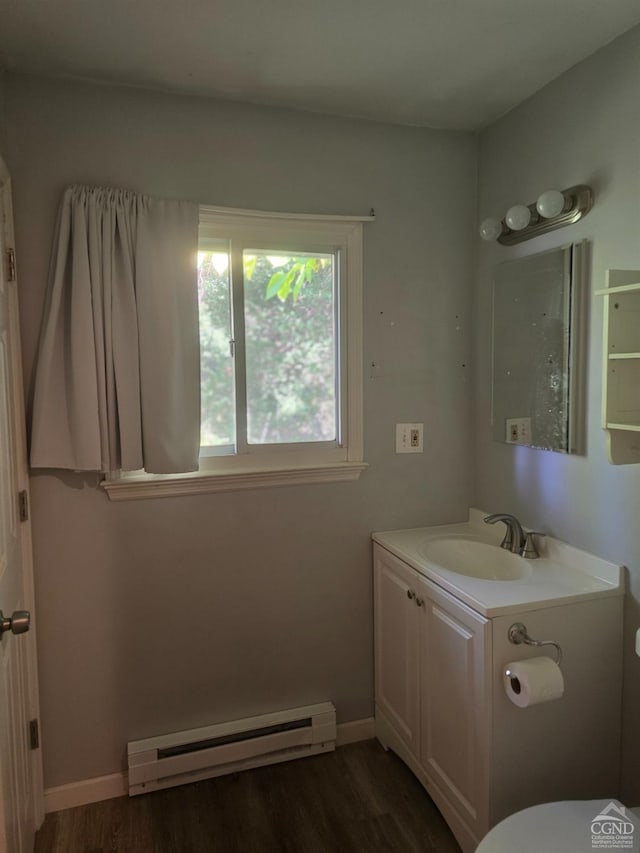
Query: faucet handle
(529,550)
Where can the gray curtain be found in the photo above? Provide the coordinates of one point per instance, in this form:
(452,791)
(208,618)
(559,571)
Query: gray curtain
(117,382)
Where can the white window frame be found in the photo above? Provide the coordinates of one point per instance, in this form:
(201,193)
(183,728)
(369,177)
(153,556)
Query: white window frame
(289,464)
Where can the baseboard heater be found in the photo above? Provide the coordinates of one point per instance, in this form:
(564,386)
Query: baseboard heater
(189,756)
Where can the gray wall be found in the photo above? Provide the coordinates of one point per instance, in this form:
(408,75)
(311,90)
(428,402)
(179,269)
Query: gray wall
(166,614)
(583,128)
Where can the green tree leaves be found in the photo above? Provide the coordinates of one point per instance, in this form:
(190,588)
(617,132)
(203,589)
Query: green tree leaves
(290,347)
(285,283)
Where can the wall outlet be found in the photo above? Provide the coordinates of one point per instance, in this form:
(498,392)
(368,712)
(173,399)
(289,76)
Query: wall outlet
(409,438)
(518,431)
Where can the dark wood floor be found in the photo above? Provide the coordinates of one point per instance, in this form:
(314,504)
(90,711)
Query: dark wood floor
(358,799)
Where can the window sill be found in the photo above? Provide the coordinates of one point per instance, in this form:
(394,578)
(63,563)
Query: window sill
(144,486)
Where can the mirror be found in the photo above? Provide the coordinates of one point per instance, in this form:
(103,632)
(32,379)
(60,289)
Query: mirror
(536,392)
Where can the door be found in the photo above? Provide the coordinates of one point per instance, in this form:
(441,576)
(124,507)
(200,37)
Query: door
(20,772)
(455,653)
(396,640)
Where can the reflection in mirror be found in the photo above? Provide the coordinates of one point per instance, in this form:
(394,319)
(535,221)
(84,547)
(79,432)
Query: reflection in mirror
(536,365)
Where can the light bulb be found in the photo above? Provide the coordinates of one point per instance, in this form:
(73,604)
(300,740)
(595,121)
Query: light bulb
(550,203)
(490,229)
(518,217)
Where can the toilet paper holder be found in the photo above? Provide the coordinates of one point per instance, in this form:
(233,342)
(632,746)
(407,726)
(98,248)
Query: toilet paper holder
(517,634)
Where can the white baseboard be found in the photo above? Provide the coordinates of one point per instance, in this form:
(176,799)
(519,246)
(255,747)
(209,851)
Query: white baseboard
(84,792)
(116,784)
(355,731)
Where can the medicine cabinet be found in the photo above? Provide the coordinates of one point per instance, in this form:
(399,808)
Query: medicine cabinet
(537,358)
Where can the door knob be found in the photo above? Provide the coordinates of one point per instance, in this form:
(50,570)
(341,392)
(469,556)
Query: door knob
(18,623)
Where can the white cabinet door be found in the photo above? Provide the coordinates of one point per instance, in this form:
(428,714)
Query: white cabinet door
(455,692)
(396,641)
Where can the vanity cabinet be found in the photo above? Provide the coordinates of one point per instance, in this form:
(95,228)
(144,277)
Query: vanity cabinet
(621,373)
(441,707)
(432,687)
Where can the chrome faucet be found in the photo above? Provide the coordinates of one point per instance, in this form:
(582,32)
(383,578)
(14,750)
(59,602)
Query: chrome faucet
(514,539)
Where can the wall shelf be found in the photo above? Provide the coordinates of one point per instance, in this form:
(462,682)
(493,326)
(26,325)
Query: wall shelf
(622,288)
(621,369)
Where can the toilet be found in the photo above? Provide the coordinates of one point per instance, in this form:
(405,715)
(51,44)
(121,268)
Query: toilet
(570,826)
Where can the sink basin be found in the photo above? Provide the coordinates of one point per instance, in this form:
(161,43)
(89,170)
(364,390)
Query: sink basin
(475,559)
(465,559)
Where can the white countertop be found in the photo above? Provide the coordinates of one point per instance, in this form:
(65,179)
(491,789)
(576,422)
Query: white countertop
(561,575)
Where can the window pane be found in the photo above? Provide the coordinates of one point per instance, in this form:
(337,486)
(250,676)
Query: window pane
(216,363)
(290,328)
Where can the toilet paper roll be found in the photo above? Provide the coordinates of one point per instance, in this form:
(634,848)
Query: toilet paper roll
(529,682)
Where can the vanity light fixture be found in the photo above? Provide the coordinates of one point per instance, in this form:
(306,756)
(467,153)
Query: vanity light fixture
(553,209)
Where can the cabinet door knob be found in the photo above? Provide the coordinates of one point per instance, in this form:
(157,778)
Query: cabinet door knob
(419,601)
(410,594)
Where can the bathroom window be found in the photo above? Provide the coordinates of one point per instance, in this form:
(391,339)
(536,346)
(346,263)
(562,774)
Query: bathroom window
(280,338)
(280,308)
(284,389)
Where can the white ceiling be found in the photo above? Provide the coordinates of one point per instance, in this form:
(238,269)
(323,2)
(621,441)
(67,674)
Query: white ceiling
(437,63)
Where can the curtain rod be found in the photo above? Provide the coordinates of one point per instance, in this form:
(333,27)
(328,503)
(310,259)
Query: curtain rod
(268,214)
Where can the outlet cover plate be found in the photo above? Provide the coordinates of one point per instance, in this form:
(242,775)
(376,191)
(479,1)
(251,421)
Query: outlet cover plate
(409,438)
(518,431)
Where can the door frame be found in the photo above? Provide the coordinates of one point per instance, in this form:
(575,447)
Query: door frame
(22,479)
